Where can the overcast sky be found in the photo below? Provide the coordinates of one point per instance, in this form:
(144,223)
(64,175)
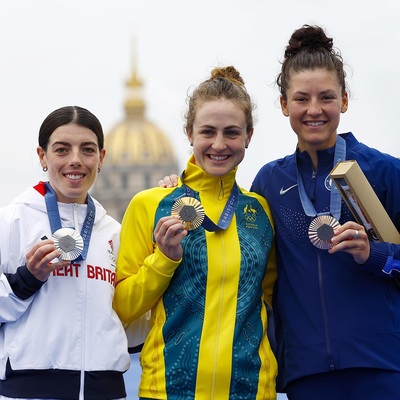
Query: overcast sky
(65,52)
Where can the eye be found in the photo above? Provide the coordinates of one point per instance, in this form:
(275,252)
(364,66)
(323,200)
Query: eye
(89,150)
(60,150)
(207,132)
(232,133)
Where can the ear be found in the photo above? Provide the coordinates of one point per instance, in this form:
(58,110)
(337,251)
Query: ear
(42,156)
(248,138)
(102,155)
(190,136)
(345,103)
(284,108)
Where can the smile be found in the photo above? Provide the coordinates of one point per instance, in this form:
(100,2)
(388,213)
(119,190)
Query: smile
(218,158)
(314,123)
(74,177)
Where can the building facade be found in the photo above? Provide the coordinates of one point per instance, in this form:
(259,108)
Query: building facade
(138,155)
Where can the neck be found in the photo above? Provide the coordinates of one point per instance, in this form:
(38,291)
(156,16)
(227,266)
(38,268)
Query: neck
(314,159)
(312,153)
(313,148)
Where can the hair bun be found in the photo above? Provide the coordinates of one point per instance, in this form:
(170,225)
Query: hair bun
(308,38)
(229,72)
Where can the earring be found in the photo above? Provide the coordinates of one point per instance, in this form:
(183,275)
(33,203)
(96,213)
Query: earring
(98,170)
(247,146)
(45,169)
(191,144)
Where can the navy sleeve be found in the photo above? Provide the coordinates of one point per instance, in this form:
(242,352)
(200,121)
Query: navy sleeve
(23,283)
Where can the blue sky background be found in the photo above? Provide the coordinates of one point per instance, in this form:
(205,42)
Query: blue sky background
(64,52)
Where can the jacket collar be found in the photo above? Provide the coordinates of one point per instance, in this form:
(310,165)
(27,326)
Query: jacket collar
(201,181)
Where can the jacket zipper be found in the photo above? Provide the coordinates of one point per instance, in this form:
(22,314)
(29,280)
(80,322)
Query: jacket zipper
(331,363)
(82,383)
(313,185)
(221,189)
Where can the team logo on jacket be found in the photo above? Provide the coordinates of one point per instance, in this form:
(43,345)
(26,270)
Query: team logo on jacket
(328,183)
(250,216)
(110,252)
(250,213)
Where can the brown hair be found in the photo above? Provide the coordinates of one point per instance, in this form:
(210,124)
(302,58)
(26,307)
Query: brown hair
(310,48)
(224,83)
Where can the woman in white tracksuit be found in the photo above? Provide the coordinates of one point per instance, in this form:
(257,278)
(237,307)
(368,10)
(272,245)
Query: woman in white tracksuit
(59,336)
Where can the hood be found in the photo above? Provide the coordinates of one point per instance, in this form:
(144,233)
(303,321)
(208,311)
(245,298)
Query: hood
(34,197)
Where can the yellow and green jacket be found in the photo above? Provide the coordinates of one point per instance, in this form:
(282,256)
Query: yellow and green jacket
(208,339)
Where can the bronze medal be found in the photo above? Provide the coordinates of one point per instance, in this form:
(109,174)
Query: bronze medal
(321,232)
(190,211)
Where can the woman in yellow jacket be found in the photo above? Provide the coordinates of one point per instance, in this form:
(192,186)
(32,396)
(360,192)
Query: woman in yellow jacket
(200,256)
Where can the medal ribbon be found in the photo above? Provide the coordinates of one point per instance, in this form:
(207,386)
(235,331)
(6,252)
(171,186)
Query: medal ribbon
(336,198)
(55,220)
(227,213)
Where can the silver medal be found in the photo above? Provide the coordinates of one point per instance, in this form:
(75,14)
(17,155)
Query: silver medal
(69,242)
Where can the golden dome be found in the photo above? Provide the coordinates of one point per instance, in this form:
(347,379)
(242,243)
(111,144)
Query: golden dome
(137,141)
(138,155)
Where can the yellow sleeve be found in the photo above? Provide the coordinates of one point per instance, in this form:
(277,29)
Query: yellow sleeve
(271,274)
(143,271)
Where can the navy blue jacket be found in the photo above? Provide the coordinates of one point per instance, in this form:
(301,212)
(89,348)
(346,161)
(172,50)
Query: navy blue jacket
(331,313)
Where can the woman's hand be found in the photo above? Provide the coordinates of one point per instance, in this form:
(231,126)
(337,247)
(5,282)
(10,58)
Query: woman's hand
(39,257)
(169,233)
(351,238)
(168,181)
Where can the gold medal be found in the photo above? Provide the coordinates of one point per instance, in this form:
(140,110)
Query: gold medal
(190,211)
(321,232)
(69,242)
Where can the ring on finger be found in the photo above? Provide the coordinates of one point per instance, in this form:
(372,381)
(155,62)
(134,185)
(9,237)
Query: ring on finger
(355,234)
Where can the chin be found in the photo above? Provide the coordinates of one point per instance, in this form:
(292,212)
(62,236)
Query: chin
(220,174)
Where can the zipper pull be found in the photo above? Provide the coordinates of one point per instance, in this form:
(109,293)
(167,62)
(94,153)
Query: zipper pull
(221,189)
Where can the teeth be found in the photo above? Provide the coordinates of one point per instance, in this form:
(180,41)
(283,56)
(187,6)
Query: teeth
(218,158)
(314,123)
(74,177)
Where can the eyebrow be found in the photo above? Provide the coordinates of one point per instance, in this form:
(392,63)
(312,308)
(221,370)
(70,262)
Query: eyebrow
(69,144)
(327,91)
(233,127)
(213,127)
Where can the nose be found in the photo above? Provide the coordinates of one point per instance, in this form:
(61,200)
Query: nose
(75,158)
(219,143)
(314,108)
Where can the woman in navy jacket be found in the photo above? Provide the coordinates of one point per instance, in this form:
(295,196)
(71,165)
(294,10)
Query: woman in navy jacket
(337,308)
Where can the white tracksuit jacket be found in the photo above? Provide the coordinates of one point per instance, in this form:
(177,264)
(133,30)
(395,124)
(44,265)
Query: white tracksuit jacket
(60,339)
